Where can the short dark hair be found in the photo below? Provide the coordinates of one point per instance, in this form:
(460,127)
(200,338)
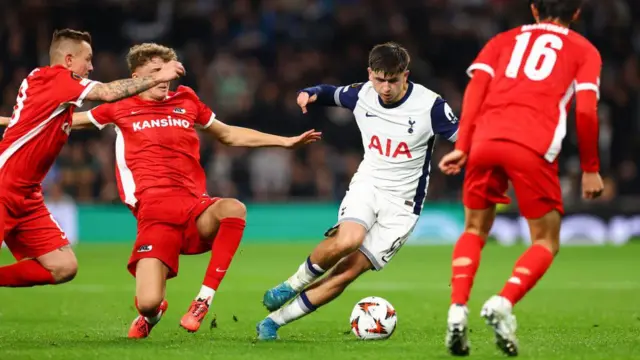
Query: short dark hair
(389,58)
(560,9)
(70,34)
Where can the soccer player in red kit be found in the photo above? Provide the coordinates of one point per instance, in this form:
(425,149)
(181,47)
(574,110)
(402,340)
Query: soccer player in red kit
(513,122)
(36,132)
(161,180)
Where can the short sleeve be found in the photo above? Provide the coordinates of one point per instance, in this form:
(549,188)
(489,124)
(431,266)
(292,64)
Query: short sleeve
(347,96)
(102,115)
(205,116)
(487,59)
(443,121)
(588,77)
(73,88)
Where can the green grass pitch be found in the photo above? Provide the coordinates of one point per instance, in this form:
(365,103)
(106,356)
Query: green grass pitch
(587,307)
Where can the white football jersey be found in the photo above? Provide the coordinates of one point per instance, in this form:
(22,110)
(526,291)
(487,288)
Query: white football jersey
(398,139)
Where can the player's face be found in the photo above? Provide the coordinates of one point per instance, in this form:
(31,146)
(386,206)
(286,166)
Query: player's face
(81,62)
(390,88)
(159,91)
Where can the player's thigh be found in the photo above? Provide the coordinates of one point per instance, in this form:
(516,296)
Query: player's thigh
(158,241)
(485,181)
(388,235)
(536,183)
(38,234)
(357,214)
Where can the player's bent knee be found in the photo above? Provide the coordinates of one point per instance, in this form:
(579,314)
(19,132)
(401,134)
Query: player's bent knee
(61,263)
(231,208)
(350,238)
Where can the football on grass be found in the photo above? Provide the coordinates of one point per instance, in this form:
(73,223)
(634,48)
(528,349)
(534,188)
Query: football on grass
(373,318)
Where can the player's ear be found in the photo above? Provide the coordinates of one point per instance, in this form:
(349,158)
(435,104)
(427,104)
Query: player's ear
(134,75)
(406,75)
(534,11)
(576,16)
(370,72)
(68,60)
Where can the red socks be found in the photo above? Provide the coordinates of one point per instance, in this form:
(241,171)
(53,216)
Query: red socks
(224,248)
(528,270)
(24,274)
(466,259)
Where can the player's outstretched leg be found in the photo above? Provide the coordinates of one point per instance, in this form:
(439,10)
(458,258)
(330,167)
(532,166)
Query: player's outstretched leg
(225,219)
(466,259)
(151,277)
(42,249)
(337,245)
(318,294)
(530,267)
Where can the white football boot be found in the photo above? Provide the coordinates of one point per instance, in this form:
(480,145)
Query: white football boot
(497,313)
(457,340)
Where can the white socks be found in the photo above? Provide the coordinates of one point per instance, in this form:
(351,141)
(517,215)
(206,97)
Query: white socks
(206,293)
(299,307)
(306,274)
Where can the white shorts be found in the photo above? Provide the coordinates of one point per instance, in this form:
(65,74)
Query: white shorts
(389,221)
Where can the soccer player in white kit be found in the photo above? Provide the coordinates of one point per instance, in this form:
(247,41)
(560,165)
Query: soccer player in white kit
(399,121)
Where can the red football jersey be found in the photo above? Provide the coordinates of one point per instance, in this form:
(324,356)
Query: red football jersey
(40,125)
(157,147)
(536,71)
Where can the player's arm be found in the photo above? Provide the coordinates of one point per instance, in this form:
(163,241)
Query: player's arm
(472,100)
(124,88)
(81,121)
(329,95)
(587,96)
(481,71)
(4,121)
(443,121)
(240,136)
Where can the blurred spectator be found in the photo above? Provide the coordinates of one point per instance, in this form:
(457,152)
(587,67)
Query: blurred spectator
(247,59)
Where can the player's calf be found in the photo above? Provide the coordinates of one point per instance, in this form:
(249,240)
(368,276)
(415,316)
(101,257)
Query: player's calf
(226,221)
(151,275)
(534,263)
(318,294)
(345,241)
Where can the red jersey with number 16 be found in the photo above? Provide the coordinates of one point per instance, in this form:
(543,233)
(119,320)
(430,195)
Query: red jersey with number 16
(39,126)
(536,71)
(157,146)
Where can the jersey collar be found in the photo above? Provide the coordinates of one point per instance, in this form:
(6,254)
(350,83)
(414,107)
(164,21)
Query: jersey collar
(399,102)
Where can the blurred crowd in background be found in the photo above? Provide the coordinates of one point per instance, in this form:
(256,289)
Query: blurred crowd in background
(246,59)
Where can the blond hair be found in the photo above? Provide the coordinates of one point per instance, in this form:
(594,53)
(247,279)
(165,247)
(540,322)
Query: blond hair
(140,55)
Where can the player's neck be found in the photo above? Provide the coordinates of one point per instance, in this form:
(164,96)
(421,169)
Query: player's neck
(554,21)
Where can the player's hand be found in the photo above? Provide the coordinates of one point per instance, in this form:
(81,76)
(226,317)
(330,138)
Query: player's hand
(304,99)
(592,185)
(170,71)
(453,162)
(307,137)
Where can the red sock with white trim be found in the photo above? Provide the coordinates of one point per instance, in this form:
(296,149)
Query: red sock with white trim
(529,268)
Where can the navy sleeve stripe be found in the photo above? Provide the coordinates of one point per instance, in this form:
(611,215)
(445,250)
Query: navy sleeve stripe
(443,120)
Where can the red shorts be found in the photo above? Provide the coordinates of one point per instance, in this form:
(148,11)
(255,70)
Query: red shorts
(167,228)
(492,164)
(29,229)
